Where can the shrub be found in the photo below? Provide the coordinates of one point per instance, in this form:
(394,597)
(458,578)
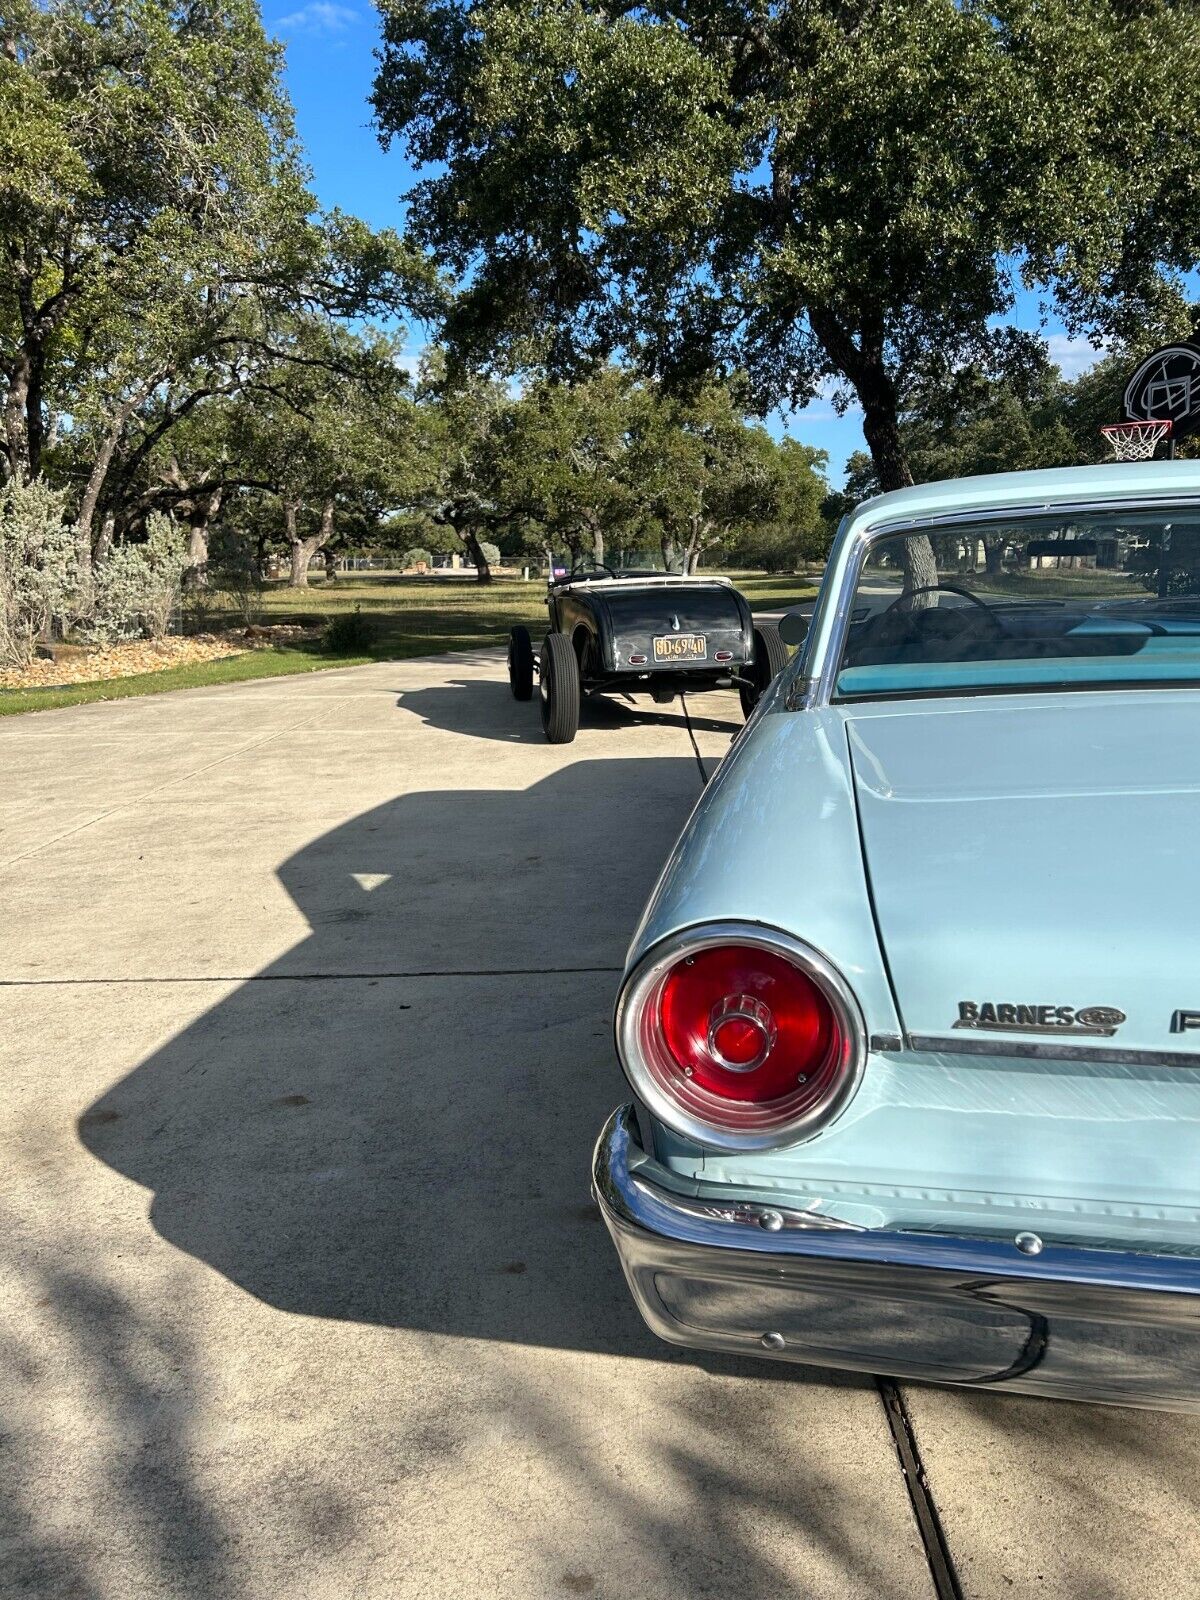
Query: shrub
(39,569)
(349,633)
(136,587)
(416,557)
(167,559)
(234,570)
(491,553)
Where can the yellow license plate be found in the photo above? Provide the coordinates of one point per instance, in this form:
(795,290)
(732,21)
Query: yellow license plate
(681,647)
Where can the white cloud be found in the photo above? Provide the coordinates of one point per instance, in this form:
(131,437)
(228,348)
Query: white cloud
(319,16)
(1073,355)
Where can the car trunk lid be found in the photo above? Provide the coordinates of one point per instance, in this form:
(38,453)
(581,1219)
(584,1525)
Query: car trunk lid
(638,615)
(1034,869)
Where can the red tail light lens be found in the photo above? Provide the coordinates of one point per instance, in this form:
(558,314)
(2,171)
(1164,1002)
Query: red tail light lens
(744,1042)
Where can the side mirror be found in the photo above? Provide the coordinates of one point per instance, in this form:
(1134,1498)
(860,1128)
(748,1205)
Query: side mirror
(793,627)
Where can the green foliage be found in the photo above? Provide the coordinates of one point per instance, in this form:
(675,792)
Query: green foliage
(796,530)
(148,157)
(416,556)
(1013,416)
(349,633)
(845,191)
(165,276)
(491,552)
(562,463)
(38,567)
(235,575)
(702,475)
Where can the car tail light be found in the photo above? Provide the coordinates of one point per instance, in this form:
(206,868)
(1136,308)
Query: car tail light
(740,1037)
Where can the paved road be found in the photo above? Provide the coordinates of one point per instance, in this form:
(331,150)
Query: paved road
(306,1040)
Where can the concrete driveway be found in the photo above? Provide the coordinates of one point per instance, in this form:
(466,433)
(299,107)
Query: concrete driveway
(306,997)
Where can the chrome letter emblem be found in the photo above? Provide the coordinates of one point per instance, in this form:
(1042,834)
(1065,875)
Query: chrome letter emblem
(1000,1017)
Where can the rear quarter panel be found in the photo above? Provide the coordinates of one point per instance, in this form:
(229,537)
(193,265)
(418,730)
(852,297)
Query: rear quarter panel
(1080,1152)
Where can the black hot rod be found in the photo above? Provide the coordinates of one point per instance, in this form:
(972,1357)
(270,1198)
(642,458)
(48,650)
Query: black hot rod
(641,633)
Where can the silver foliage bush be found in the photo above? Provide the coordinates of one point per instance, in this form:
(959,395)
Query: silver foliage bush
(38,567)
(136,587)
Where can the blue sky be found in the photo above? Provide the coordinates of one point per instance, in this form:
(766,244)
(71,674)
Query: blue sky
(330,70)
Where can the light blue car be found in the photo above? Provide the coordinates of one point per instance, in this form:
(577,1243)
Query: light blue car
(912,1020)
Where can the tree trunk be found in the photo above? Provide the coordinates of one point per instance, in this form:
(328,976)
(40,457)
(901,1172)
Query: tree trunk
(483,572)
(330,567)
(16,437)
(598,546)
(303,550)
(203,509)
(196,573)
(698,526)
(881,429)
(862,363)
(105,542)
(87,507)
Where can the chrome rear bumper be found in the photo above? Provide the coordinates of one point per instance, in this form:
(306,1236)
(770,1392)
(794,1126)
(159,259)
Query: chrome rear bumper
(1098,1325)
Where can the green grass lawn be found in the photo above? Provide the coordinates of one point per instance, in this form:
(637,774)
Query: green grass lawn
(408,616)
(426,616)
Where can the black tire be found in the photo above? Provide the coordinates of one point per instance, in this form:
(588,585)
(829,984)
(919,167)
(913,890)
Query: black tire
(520,664)
(559,689)
(771,655)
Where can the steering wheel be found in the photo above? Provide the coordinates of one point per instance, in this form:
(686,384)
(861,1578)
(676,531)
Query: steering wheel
(946,588)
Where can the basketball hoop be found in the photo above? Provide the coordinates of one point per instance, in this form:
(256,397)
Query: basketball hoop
(1136,441)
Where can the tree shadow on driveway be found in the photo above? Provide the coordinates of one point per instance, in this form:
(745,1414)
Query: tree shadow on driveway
(343,1137)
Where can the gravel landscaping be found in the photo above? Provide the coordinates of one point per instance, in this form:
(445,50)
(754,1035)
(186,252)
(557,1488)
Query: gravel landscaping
(141,656)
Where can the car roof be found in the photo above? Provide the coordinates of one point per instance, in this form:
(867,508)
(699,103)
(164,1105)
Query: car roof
(1049,487)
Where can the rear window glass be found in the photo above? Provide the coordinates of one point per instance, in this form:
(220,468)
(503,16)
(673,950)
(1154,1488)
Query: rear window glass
(1035,603)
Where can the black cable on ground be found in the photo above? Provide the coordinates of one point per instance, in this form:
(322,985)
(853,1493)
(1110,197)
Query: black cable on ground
(687,722)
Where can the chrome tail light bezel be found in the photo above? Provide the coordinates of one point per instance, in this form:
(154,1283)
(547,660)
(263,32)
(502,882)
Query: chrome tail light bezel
(643,983)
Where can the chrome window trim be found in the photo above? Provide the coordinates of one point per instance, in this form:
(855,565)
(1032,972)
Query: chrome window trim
(704,936)
(853,559)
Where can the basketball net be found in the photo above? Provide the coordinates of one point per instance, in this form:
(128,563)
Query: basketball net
(1136,441)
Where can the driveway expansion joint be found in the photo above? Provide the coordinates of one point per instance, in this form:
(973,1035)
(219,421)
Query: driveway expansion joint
(929,1525)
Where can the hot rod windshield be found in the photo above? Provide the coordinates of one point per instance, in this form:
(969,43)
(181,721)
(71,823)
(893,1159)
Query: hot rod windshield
(1032,603)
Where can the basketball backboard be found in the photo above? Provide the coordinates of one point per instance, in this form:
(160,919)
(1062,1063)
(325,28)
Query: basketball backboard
(1166,386)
